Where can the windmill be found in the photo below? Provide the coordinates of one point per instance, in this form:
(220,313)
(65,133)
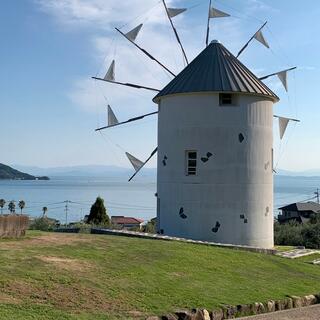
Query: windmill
(215,163)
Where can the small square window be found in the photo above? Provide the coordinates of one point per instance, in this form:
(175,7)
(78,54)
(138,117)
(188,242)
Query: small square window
(226,99)
(191,163)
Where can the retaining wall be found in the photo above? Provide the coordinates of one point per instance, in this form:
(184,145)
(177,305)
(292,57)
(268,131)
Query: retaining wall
(144,235)
(13,226)
(231,312)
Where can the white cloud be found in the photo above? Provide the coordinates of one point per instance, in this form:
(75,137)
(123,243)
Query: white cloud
(131,65)
(98,13)
(260,6)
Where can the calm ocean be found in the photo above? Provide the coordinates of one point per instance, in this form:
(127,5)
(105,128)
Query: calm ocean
(121,198)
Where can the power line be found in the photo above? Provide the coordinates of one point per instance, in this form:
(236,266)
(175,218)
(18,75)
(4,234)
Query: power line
(66,210)
(317,195)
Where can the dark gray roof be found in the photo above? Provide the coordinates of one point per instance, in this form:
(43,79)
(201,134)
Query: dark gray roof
(302,206)
(215,69)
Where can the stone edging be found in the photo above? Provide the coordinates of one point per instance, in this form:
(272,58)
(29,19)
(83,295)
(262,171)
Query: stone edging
(167,238)
(242,310)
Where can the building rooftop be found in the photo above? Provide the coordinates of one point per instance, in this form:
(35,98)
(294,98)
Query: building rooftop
(215,69)
(125,220)
(302,206)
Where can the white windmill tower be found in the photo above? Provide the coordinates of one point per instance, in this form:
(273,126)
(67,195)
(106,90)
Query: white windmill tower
(215,145)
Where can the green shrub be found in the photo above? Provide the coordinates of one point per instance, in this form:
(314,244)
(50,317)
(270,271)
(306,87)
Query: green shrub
(298,234)
(43,224)
(288,234)
(311,235)
(84,227)
(150,227)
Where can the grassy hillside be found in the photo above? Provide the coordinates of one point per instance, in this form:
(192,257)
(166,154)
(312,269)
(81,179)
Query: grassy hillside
(57,276)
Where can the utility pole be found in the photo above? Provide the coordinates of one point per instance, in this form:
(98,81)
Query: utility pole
(317,195)
(66,211)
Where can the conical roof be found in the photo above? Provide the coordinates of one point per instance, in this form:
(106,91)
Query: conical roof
(215,69)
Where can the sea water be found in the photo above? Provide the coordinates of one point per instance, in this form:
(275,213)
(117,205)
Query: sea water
(135,199)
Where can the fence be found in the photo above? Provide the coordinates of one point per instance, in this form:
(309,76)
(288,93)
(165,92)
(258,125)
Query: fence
(13,226)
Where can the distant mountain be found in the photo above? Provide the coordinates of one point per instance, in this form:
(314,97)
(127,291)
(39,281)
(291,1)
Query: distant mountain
(87,171)
(306,173)
(120,172)
(8,173)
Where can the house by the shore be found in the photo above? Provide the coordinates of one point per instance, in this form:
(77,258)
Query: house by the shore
(300,212)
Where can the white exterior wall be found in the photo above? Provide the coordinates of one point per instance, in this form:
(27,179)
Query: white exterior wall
(237,180)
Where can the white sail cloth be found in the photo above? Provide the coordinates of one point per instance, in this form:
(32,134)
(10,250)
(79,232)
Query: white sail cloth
(110,75)
(215,13)
(283,78)
(283,124)
(136,163)
(260,37)
(132,35)
(173,12)
(112,119)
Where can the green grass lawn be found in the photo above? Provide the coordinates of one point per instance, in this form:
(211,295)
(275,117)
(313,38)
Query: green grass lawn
(58,276)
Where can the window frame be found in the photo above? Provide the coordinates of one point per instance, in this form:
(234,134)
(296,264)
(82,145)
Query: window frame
(191,162)
(231,97)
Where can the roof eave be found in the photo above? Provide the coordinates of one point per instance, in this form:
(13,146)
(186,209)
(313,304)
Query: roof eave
(274,98)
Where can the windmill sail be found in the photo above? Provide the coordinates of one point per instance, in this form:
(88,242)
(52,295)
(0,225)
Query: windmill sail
(110,75)
(136,163)
(215,13)
(132,35)
(260,37)
(173,12)
(124,122)
(146,52)
(282,75)
(112,119)
(141,164)
(127,84)
(283,78)
(283,124)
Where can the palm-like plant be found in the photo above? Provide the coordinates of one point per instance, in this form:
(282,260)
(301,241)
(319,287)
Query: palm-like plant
(44,210)
(21,205)
(2,204)
(12,207)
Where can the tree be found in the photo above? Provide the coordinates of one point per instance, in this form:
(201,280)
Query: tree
(12,207)
(44,211)
(98,213)
(2,204)
(21,205)
(311,235)
(150,227)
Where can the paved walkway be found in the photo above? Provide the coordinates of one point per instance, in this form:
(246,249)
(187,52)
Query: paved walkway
(297,253)
(307,313)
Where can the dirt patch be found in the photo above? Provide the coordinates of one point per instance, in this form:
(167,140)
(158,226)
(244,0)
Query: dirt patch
(6,299)
(67,264)
(50,239)
(73,297)
(137,314)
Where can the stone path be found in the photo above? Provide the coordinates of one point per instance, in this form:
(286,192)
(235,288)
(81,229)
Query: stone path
(297,253)
(306,313)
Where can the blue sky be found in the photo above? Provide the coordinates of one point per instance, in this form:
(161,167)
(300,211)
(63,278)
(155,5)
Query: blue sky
(50,49)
